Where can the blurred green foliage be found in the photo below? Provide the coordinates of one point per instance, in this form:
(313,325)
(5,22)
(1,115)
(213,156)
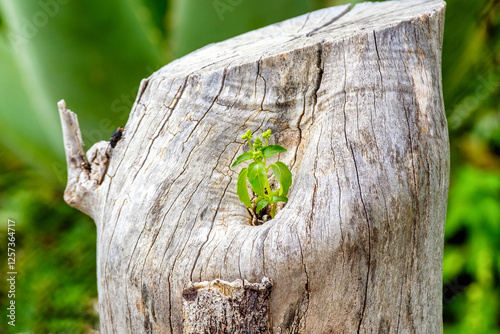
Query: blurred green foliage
(94,54)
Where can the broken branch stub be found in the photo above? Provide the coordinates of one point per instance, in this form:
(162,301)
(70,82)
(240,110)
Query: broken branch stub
(355,96)
(85,172)
(227,307)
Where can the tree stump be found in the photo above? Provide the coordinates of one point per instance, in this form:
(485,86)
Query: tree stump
(355,96)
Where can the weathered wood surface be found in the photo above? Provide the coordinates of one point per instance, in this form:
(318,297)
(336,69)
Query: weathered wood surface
(355,95)
(227,307)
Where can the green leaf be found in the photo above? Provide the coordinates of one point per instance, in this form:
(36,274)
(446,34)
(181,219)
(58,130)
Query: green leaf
(20,130)
(277,198)
(242,188)
(261,205)
(257,178)
(201,22)
(51,50)
(56,58)
(241,158)
(272,150)
(283,175)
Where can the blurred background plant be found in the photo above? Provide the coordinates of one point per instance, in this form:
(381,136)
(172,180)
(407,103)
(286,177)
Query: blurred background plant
(94,55)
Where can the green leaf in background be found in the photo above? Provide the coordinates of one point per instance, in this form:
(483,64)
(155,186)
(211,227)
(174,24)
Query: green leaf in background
(200,22)
(465,44)
(242,188)
(271,150)
(471,256)
(96,66)
(19,133)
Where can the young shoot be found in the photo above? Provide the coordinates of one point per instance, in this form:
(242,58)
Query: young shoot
(256,174)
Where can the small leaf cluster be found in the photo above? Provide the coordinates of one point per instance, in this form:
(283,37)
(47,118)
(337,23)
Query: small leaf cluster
(256,174)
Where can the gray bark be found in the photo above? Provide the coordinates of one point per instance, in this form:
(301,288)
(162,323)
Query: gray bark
(355,95)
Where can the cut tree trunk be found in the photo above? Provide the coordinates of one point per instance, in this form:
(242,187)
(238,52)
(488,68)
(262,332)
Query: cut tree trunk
(355,96)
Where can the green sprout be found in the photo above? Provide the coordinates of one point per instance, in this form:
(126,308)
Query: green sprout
(256,173)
